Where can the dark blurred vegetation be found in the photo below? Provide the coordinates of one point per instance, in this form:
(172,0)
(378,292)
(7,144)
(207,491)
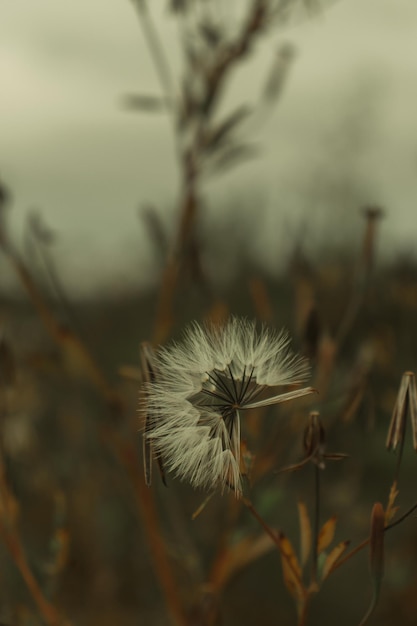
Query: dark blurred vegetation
(83,540)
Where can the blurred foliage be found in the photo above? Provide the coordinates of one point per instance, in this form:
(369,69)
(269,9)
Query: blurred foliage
(64,444)
(84,541)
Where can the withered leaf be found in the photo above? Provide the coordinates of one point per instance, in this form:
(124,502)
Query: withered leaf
(391,510)
(305,533)
(326,534)
(332,558)
(291,569)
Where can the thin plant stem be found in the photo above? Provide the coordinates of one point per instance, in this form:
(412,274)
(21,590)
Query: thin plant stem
(348,556)
(276,537)
(269,531)
(401,450)
(157,52)
(402,517)
(316,521)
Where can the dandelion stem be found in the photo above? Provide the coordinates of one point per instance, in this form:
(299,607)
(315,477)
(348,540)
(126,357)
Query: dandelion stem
(276,535)
(269,531)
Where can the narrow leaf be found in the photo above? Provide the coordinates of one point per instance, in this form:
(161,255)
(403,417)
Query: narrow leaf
(332,558)
(305,533)
(291,569)
(391,510)
(145,102)
(230,156)
(396,429)
(412,398)
(326,534)
(377,545)
(219,134)
(201,507)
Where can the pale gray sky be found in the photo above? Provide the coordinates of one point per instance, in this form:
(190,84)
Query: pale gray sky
(346,119)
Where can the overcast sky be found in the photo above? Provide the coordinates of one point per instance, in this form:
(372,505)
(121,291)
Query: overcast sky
(346,118)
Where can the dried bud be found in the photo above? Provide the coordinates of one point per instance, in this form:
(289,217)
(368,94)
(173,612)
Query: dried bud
(314,446)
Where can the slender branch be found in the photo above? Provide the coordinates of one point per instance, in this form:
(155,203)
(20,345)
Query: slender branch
(402,517)
(276,536)
(269,531)
(157,52)
(349,555)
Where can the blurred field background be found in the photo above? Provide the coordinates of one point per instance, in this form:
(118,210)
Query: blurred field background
(137,197)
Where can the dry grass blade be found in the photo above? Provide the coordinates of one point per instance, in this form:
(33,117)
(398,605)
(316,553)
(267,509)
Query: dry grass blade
(326,534)
(201,507)
(305,533)
(333,557)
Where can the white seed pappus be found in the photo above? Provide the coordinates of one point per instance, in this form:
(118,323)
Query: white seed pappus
(202,386)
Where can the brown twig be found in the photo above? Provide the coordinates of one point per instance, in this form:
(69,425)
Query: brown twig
(274,535)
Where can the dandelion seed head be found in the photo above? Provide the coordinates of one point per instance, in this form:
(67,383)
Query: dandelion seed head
(203,384)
